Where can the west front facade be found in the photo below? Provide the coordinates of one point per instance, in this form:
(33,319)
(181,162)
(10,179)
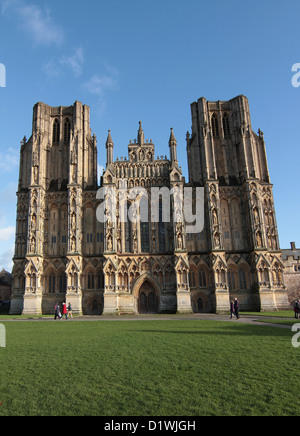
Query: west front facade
(63,252)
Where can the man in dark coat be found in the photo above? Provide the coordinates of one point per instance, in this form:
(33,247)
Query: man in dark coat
(237,308)
(57,313)
(231,309)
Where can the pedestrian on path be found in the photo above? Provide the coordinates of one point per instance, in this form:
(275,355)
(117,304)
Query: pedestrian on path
(57,313)
(70,312)
(297,309)
(237,308)
(231,309)
(64,310)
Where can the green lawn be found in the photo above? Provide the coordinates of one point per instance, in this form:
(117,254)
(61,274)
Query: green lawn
(151,368)
(279,314)
(288,322)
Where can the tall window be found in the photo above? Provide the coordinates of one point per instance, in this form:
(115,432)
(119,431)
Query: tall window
(56,132)
(145,230)
(226,128)
(91,281)
(100,280)
(128,232)
(161,230)
(52,284)
(231,280)
(145,245)
(67,131)
(62,283)
(215,126)
(192,279)
(202,279)
(242,279)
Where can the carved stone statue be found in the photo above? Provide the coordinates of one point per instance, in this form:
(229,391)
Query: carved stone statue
(109,243)
(258,240)
(256,216)
(217,240)
(215,218)
(180,241)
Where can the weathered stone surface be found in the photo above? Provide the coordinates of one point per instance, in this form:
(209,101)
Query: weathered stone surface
(63,253)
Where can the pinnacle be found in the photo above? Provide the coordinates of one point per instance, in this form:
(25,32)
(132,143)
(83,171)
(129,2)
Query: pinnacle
(109,140)
(172,136)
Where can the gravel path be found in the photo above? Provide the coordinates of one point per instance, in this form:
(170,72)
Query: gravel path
(245,319)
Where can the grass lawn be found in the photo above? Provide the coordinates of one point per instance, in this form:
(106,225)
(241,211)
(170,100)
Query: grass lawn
(150,368)
(279,314)
(283,321)
(17,317)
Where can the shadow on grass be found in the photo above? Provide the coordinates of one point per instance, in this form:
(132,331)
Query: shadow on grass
(240,330)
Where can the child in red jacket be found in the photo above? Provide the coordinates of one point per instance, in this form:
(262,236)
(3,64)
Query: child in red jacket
(64,310)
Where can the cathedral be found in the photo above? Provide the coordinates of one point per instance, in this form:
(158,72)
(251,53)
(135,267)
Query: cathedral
(64,253)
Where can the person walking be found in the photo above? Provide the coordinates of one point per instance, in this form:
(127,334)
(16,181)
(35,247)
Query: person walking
(231,309)
(70,312)
(237,308)
(57,313)
(64,310)
(297,309)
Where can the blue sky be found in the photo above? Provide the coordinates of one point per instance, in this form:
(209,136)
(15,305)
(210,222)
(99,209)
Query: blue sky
(139,60)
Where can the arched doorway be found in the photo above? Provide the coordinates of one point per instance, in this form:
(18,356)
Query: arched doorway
(200,302)
(147,299)
(94,305)
(200,305)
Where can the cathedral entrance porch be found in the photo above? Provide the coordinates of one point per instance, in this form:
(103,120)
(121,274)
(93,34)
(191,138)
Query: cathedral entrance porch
(201,302)
(147,299)
(93,304)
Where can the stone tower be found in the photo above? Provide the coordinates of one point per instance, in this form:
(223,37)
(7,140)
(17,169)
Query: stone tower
(58,167)
(240,245)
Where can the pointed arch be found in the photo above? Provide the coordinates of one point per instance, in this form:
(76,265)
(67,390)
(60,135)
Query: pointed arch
(215,126)
(67,131)
(56,132)
(128,232)
(147,292)
(157,273)
(202,276)
(144,224)
(226,126)
(161,229)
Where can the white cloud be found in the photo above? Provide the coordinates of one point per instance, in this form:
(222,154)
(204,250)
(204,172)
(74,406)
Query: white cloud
(35,21)
(73,63)
(9,160)
(6,259)
(8,198)
(8,4)
(98,85)
(51,69)
(7,233)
